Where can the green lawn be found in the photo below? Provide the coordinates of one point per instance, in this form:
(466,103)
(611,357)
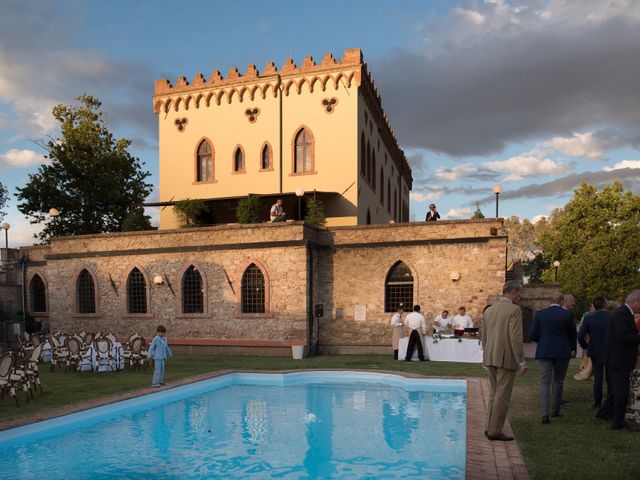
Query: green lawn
(575,445)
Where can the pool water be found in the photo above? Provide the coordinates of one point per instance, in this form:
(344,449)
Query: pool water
(293,426)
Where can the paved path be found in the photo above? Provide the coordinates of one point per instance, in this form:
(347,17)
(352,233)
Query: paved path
(485,459)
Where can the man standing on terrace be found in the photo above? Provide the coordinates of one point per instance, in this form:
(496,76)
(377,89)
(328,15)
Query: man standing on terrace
(502,356)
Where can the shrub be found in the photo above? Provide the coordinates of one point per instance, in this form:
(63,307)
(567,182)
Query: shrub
(315,213)
(248,210)
(191,212)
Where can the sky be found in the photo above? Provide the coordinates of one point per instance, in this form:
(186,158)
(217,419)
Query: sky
(537,96)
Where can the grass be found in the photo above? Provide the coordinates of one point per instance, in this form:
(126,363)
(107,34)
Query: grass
(575,445)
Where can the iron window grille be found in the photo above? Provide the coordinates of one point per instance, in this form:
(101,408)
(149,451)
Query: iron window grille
(192,291)
(398,288)
(136,292)
(86,293)
(253,291)
(38,295)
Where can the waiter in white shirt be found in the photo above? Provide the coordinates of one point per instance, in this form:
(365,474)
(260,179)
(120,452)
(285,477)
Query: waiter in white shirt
(462,320)
(442,323)
(398,327)
(416,322)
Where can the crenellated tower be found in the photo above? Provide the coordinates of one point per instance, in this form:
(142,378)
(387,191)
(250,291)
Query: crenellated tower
(319,127)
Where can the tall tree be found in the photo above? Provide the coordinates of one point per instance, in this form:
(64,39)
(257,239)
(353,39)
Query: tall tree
(596,238)
(521,244)
(92,179)
(4,199)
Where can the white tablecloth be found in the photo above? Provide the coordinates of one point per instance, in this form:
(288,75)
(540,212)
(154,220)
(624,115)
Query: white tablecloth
(468,350)
(90,360)
(46,352)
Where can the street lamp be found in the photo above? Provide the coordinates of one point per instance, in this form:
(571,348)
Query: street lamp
(299,194)
(6,227)
(54,214)
(556,264)
(497,188)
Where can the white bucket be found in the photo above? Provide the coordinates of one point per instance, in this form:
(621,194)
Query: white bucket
(298,352)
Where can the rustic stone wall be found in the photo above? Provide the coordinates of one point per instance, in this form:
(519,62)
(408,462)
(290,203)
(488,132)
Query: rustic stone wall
(340,268)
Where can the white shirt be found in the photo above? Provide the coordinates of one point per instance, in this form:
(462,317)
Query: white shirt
(276,211)
(396,320)
(415,320)
(461,322)
(441,323)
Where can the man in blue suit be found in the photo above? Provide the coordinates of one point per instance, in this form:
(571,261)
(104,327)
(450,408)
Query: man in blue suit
(594,326)
(554,331)
(620,352)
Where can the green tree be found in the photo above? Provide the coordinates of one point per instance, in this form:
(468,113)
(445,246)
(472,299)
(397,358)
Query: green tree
(521,244)
(92,179)
(136,220)
(477,214)
(315,213)
(596,238)
(191,212)
(249,209)
(4,199)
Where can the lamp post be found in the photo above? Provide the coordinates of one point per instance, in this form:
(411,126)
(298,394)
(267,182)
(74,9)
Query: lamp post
(6,227)
(556,264)
(497,188)
(54,214)
(299,194)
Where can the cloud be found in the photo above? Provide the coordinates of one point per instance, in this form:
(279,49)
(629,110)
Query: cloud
(527,71)
(21,158)
(578,145)
(457,213)
(454,173)
(527,165)
(624,164)
(630,177)
(424,197)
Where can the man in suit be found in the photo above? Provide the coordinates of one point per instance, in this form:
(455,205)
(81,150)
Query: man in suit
(502,355)
(620,352)
(594,326)
(554,331)
(432,214)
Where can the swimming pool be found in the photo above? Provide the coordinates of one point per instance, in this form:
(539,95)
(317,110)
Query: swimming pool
(248,425)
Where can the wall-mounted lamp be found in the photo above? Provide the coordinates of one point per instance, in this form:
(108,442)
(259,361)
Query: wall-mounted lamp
(158,280)
(455,276)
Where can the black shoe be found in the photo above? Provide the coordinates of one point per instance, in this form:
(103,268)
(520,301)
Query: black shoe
(596,405)
(603,417)
(556,415)
(545,419)
(500,437)
(626,427)
(564,402)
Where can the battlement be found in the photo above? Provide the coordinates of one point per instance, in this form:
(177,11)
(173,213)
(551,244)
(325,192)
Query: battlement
(351,57)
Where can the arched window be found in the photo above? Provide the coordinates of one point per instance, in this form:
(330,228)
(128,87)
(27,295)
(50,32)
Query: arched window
(368,176)
(204,170)
(389,196)
(381,186)
(253,291)
(192,291)
(85,293)
(265,158)
(136,292)
(303,152)
(374,167)
(38,294)
(398,288)
(238,161)
(363,156)
(368,217)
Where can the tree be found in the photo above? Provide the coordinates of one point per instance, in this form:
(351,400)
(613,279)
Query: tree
(136,221)
(92,180)
(248,210)
(315,213)
(4,199)
(596,238)
(477,215)
(521,244)
(191,212)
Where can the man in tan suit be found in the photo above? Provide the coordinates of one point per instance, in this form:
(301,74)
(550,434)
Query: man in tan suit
(502,355)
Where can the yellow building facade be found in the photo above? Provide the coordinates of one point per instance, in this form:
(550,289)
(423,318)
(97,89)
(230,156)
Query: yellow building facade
(317,127)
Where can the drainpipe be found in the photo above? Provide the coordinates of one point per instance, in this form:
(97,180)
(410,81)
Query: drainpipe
(280,93)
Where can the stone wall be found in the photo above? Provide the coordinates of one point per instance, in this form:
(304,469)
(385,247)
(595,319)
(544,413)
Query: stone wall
(339,268)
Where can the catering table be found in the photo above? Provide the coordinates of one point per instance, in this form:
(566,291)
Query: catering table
(469,350)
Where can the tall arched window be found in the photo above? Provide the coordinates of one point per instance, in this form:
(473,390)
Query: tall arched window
(38,294)
(265,158)
(368,176)
(303,152)
(192,291)
(85,293)
(204,163)
(238,160)
(381,186)
(363,156)
(136,292)
(368,217)
(389,196)
(398,288)
(252,290)
(374,167)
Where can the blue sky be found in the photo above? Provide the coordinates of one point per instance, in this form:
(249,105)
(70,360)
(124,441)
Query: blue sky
(535,95)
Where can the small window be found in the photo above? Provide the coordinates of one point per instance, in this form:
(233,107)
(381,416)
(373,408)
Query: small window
(85,293)
(136,292)
(38,294)
(238,161)
(253,291)
(204,170)
(303,161)
(192,291)
(363,156)
(398,288)
(265,158)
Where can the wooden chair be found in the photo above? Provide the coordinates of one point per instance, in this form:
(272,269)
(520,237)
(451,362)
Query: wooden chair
(59,352)
(111,337)
(136,353)
(7,384)
(103,348)
(76,351)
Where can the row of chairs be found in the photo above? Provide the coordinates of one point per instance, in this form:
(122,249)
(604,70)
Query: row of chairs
(20,372)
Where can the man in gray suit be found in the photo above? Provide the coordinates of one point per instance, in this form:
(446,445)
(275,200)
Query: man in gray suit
(502,355)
